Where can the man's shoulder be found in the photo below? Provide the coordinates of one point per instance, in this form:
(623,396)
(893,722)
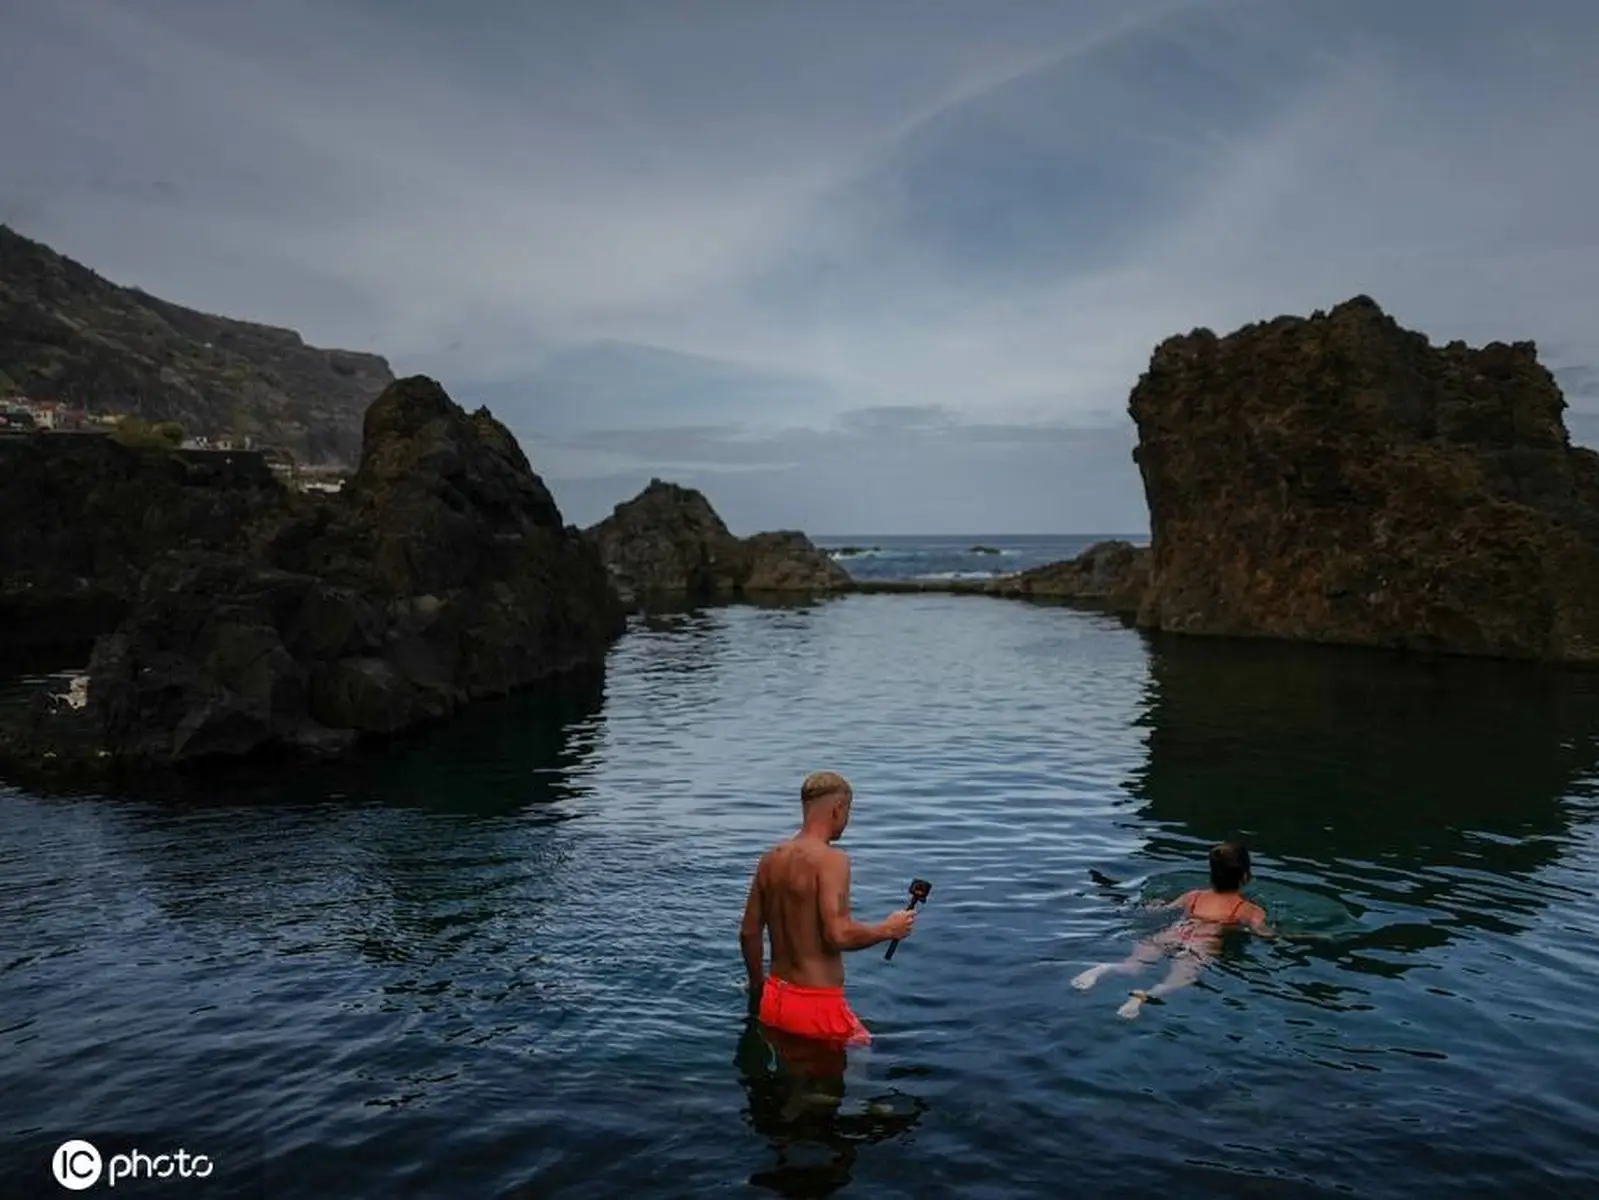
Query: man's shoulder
(793,855)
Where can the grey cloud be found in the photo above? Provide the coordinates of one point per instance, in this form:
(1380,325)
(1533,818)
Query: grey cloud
(1584,428)
(701,445)
(619,385)
(1071,435)
(862,486)
(1578,382)
(868,431)
(1580,385)
(909,244)
(898,418)
(944,477)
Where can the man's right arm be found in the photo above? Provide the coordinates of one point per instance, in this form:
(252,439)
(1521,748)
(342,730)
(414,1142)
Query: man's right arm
(840,929)
(751,937)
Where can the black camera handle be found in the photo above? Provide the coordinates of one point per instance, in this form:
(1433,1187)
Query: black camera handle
(920,890)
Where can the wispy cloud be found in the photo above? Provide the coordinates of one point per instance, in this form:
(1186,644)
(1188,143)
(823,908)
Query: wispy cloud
(928,474)
(773,237)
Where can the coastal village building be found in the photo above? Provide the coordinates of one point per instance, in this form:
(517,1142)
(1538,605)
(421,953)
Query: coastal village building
(201,442)
(307,479)
(19,412)
(22,415)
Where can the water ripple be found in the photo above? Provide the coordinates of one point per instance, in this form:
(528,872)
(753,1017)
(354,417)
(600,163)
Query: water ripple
(502,960)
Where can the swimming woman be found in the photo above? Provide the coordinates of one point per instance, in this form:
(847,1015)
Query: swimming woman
(1196,938)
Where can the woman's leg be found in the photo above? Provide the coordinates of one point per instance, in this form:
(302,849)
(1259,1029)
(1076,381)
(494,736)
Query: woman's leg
(1184,970)
(1143,954)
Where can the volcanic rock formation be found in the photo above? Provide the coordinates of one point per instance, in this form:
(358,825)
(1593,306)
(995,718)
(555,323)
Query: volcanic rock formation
(1109,575)
(669,542)
(443,573)
(1340,479)
(86,517)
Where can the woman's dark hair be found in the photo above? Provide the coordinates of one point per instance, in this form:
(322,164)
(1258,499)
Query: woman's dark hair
(1229,864)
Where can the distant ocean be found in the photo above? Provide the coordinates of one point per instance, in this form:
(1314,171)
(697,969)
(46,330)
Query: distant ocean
(867,556)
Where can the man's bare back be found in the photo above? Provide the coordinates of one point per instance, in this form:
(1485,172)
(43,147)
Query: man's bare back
(800,895)
(790,879)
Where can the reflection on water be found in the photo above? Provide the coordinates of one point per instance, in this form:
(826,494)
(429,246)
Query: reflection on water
(1338,754)
(799,1102)
(501,959)
(1426,796)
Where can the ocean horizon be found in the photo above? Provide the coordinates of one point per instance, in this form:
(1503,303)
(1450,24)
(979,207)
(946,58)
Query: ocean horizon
(931,557)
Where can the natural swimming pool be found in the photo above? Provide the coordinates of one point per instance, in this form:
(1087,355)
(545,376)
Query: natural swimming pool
(503,961)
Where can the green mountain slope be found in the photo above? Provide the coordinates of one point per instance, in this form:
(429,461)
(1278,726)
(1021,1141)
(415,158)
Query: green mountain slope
(67,334)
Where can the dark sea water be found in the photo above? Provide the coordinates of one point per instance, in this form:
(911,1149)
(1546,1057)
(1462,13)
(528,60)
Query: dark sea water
(981,557)
(502,960)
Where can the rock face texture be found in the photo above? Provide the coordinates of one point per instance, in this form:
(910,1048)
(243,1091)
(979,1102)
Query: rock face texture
(442,574)
(788,561)
(1109,575)
(669,542)
(1339,479)
(87,517)
(67,334)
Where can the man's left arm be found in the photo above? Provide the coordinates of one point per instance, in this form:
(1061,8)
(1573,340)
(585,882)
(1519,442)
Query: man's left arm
(751,941)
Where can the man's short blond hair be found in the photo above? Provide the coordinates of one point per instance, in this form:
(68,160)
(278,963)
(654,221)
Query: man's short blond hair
(819,784)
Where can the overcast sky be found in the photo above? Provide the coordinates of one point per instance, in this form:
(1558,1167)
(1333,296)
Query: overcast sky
(860,267)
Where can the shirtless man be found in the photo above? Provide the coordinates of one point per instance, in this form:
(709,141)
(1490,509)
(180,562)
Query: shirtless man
(801,894)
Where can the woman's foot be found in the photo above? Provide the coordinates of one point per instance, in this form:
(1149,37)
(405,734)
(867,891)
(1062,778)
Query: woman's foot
(1090,977)
(1130,1009)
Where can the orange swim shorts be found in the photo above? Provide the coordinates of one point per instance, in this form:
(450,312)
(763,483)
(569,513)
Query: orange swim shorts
(814,1012)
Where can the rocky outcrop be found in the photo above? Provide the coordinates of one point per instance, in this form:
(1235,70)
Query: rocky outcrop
(67,334)
(442,574)
(788,561)
(86,517)
(1109,575)
(1340,479)
(669,542)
